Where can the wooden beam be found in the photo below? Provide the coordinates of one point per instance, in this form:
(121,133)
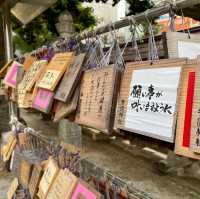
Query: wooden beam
(152,13)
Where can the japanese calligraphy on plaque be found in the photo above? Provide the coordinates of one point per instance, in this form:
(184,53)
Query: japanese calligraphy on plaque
(63,185)
(35,180)
(152,102)
(55,70)
(43,100)
(70,79)
(33,73)
(12,188)
(48,178)
(11,76)
(98,88)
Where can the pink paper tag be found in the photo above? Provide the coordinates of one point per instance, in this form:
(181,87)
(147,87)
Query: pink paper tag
(11,76)
(43,99)
(81,190)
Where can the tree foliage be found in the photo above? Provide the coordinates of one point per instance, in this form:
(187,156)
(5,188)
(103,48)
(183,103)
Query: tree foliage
(42,29)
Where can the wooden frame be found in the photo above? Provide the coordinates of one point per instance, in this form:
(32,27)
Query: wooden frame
(55,70)
(125,88)
(182,134)
(96,107)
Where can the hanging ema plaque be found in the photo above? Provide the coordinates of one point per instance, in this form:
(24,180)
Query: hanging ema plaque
(48,178)
(70,80)
(148,98)
(25,172)
(97,98)
(43,100)
(35,180)
(195,125)
(185,110)
(63,185)
(11,76)
(55,70)
(83,190)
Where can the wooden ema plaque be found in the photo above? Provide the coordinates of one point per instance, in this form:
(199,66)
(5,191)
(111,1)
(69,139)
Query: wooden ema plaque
(180,45)
(183,129)
(70,80)
(65,109)
(48,178)
(97,97)
(8,148)
(85,191)
(28,62)
(195,126)
(55,70)
(63,185)
(149,109)
(35,180)
(27,83)
(12,188)
(25,172)
(43,100)
(32,74)
(11,76)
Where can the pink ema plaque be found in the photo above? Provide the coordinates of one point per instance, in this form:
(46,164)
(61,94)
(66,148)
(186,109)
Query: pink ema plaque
(43,99)
(11,76)
(84,192)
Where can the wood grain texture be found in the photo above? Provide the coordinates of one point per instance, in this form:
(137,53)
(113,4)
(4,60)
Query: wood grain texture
(35,180)
(28,62)
(179,148)
(195,128)
(25,172)
(122,102)
(96,102)
(48,178)
(70,80)
(55,70)
(63,186)
(65,109)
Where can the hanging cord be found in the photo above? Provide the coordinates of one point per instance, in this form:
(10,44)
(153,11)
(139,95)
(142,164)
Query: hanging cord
(184,23)
(115,51)
(134,39)
(152,49)
(172,17)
